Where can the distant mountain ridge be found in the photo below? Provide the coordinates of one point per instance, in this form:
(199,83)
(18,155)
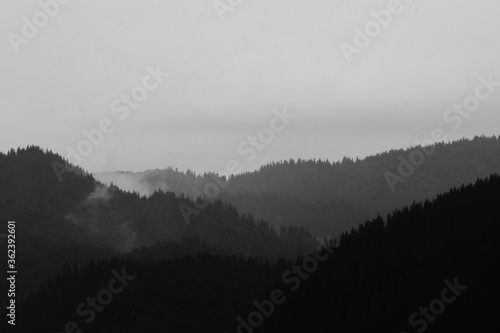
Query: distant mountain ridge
(362,181)
(330,198)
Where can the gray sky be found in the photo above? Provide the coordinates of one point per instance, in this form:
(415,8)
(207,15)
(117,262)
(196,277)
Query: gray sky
(227,76)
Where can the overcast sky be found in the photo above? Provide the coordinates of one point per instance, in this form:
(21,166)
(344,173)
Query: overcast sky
(227,76)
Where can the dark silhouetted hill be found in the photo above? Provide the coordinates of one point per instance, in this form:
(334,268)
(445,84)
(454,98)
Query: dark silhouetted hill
(378,276)
(80,219)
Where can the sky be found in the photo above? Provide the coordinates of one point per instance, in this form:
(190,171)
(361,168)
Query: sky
(231,71)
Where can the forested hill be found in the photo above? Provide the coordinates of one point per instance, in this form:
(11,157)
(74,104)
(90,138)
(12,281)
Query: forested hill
(430,267)
(389,275)
(334,197)
(321,217)
(77,219)
(363,182)
(331,197)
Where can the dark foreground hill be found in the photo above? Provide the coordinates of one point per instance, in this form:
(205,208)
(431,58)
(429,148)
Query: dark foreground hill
(429,267)
(432,267)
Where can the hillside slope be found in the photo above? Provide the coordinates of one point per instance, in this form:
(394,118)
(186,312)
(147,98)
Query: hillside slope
(329,198)
(432,266)
(79,219)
